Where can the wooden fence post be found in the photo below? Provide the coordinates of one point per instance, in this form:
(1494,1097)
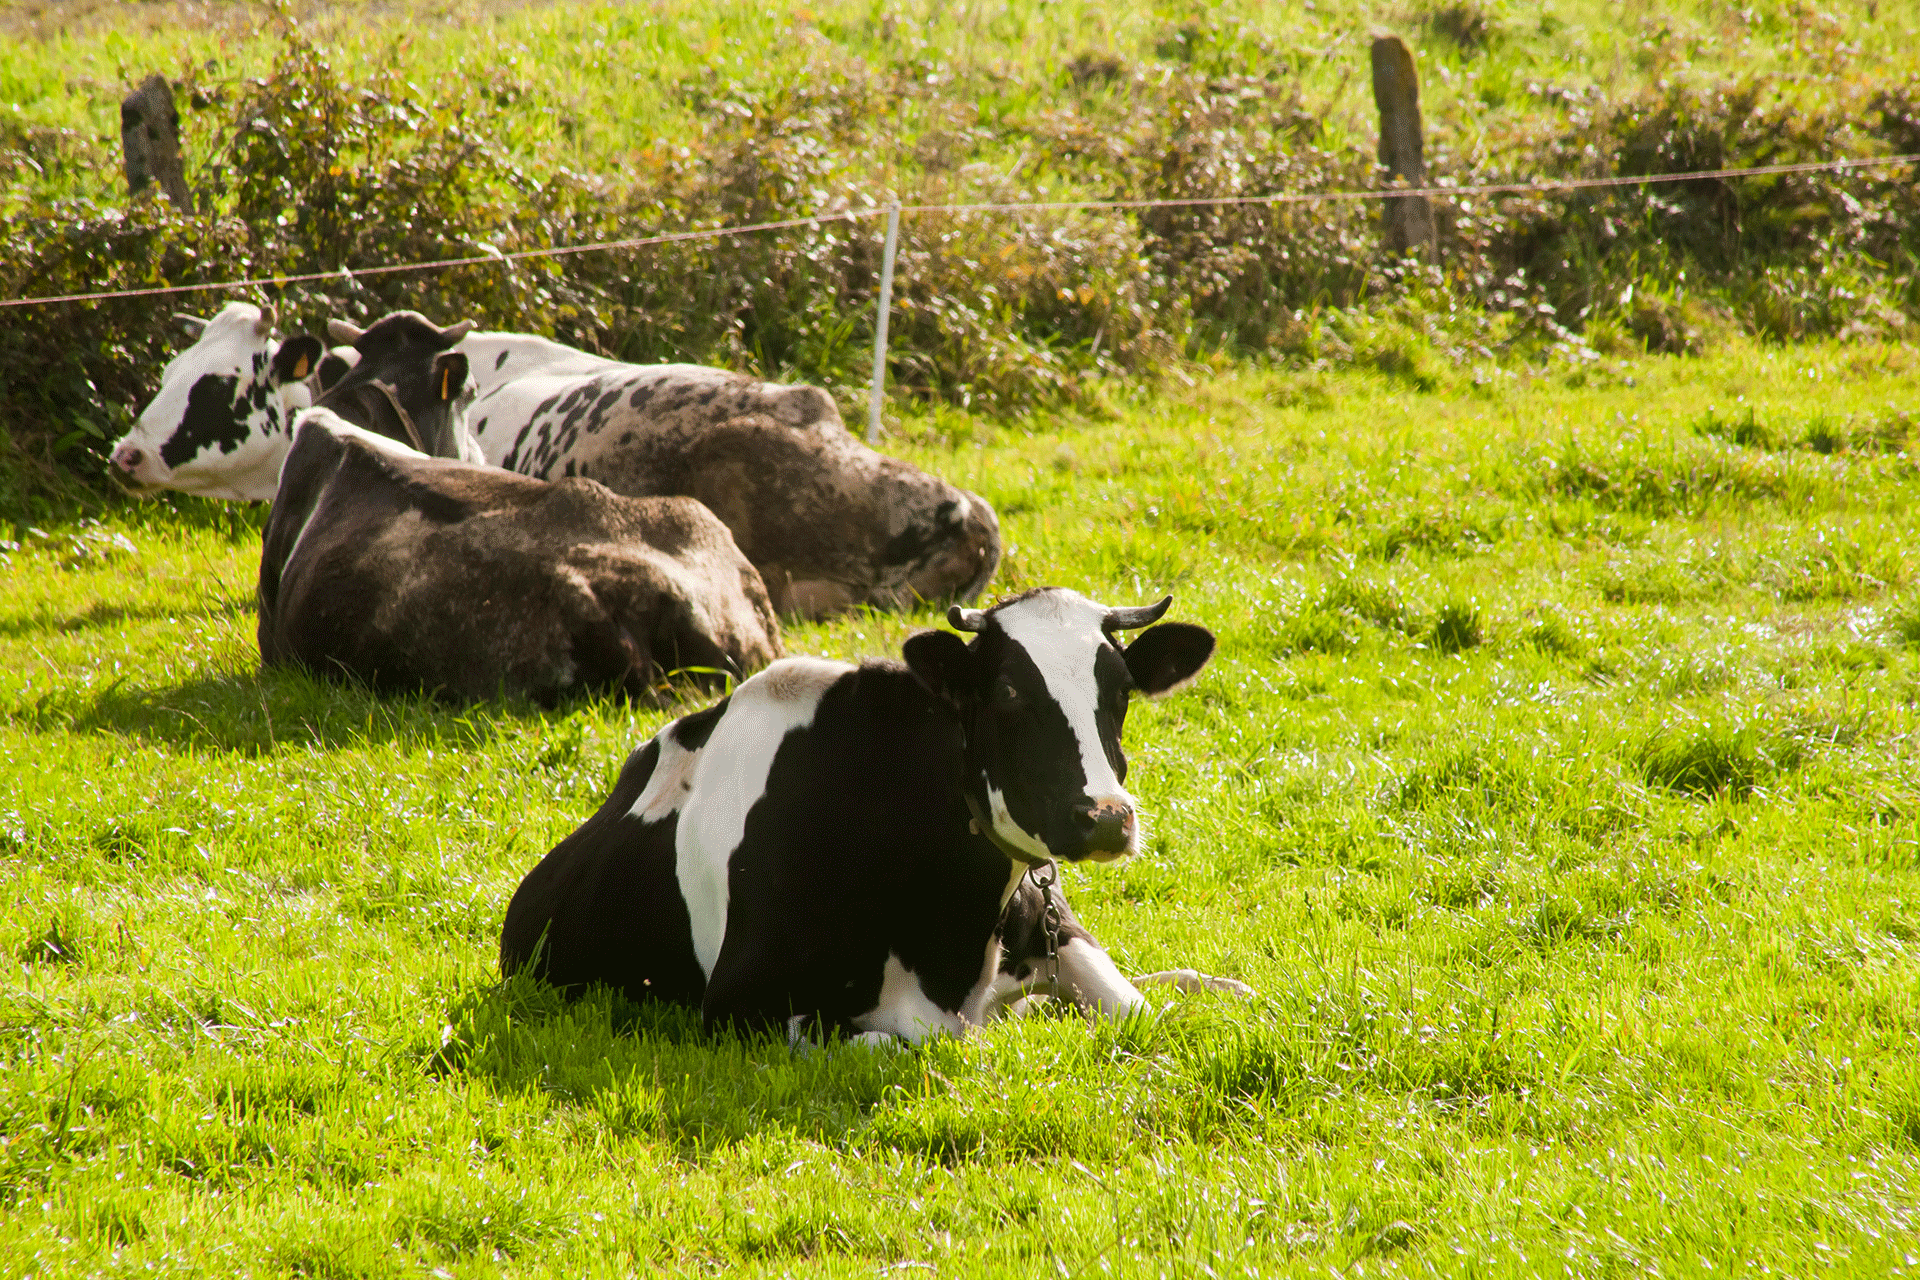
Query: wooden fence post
(150,137)
(1396,92)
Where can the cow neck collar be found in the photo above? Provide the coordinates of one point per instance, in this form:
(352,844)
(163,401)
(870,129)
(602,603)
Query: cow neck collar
(983,825)
(406,419)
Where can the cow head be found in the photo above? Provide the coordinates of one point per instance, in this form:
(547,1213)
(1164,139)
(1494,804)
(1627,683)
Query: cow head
(832,524)
(221,423)
(1042,692)
(404,381)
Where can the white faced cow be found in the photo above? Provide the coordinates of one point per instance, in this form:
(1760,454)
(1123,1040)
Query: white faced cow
(224,416)
(843,848)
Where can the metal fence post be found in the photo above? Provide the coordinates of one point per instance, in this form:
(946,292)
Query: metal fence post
(880,323)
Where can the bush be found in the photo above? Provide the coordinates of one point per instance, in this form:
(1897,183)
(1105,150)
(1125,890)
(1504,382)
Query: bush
(308,171)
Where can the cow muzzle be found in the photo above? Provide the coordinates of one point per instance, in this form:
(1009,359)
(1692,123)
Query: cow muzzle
(132,467)
(1106,828)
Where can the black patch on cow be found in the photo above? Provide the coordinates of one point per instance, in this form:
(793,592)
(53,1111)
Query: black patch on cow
(858,848)
(213,417)
(707,396)
(626,437)
(640,396)
(910,544)
(607,402)
(500,359)
(582,916)
(691,732)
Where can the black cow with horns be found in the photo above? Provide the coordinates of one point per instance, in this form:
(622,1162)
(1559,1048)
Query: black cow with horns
(842,848)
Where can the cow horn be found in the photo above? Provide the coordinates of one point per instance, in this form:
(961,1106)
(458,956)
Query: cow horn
(343,333)
(264,325)
(194,325)
(454,332)
(1134,619)
(966,619)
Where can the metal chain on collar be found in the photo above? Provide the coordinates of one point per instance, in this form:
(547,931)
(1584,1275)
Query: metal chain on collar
(1049,912)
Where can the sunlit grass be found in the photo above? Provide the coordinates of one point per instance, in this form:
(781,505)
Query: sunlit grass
(1568,831)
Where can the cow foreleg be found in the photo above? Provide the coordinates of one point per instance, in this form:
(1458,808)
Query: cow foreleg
(1087,976)
(1192,980)
(1083,973)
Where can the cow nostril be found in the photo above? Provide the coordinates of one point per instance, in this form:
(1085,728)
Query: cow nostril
(1106,825)
(128,459)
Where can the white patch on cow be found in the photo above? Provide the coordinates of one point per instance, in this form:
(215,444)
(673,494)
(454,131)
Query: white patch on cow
(1010,831)
(729,776)
(670,783)
(1082,973)
(1088,977)
(1061,631)
(1003,997)
(904,1010)
(514,374)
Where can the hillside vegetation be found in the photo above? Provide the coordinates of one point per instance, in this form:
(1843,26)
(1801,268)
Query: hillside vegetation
(353,140)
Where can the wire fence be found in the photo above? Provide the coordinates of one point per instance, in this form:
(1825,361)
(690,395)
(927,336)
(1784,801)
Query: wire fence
(1538,186)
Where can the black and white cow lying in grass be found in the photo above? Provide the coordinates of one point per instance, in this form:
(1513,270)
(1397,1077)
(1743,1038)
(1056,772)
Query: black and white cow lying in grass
(407,571)
(841,848)
(829,522)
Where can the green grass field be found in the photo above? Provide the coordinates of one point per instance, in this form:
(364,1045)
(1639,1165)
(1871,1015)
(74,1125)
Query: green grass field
(1556,785)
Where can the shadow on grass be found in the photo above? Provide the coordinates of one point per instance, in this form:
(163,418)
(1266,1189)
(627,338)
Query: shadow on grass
(652,1071)
(252,713)
(104,615)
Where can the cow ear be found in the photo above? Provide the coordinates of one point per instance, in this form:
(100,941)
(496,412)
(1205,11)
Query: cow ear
(296,358)
(1167,657)
(449,375)
(333,367)
(344,333)
(942,662)
(194,325)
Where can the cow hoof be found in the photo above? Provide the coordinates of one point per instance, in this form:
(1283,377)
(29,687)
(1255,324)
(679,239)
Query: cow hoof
(1192,980)
(877,1040)
(800,1035)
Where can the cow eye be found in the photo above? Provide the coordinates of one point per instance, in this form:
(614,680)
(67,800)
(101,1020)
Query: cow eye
(1005,696)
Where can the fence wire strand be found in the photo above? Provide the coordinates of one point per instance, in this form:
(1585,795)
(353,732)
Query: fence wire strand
(1536,187)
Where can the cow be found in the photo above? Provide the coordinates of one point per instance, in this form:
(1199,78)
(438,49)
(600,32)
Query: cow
(409,571)
(841,849)
(829,522)
(220,425)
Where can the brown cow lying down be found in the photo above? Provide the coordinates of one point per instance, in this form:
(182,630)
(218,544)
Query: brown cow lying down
(830,523)
(406,571)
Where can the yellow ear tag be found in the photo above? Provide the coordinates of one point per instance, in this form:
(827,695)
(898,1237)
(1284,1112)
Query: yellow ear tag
(300,370)
(446,382)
